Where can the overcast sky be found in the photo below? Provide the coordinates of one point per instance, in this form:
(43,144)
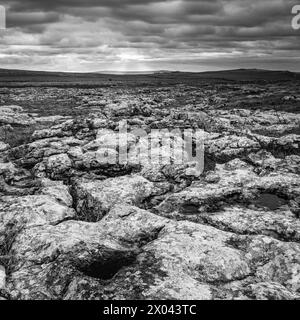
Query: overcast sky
(126,35)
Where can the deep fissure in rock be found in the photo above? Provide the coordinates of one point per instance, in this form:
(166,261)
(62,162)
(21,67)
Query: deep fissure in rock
(107,268)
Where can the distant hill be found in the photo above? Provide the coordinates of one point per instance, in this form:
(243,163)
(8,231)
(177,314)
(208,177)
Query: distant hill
(237,74)
(251,74)
(10,77)
(15,72)
(125,72)
(135,72)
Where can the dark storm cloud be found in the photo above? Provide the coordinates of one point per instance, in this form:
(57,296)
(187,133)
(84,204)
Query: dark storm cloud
(25,5)
(214,13)
(21,19)
(152,30)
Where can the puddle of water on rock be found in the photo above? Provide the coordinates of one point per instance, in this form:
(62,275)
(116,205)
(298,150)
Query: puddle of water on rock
(190,209)
(270,201)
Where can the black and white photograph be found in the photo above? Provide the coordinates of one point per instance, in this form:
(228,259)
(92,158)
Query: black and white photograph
(149,151)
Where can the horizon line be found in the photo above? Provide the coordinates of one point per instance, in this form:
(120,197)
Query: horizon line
(112,72)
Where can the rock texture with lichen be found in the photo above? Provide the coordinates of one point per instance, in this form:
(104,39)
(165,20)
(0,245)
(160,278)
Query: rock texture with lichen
(74,227)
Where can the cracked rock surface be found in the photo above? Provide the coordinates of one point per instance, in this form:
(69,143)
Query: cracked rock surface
(73,227)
